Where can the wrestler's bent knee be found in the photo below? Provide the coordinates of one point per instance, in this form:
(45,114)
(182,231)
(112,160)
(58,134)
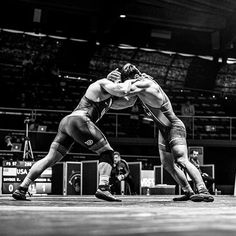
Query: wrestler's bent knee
(182,161)
(179,152)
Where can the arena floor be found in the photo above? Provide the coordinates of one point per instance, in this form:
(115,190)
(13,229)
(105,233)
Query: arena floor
(138,215)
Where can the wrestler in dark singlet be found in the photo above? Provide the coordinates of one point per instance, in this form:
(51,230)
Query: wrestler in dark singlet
(172,130)
(172,133)
(80,127)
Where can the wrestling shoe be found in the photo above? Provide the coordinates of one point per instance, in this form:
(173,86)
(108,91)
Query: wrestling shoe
(185,197)
(202,196)
(104,193)
(20,194)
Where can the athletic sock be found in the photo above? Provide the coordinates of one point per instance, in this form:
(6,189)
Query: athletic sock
(201,187)
(187,189)
(26,183)
(104,180)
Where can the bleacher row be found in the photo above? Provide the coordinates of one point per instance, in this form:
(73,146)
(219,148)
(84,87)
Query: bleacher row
(66,94)
(24,87)
(171,69)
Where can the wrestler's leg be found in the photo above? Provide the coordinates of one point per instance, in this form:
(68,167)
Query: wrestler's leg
(178,175)
(179,152)
(85,132)
(168,162)
(58,149)
(37,169)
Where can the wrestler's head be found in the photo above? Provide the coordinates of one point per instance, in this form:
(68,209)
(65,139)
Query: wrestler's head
(130,71)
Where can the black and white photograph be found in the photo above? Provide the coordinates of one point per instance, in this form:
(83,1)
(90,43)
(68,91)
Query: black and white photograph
(117,118)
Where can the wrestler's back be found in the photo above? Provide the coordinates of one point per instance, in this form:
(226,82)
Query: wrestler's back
(95,102)
(158,103)
(96,93)
(152,95)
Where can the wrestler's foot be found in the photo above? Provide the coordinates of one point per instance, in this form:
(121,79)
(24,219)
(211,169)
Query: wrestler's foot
(202,196)
(20,194)
(104,193)
(185,197)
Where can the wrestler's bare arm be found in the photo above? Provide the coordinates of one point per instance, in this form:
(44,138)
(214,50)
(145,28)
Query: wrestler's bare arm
(139,86)
(115,89)
(124,102)
(148,91)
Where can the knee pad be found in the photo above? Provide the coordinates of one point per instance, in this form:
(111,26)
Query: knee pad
(107,157)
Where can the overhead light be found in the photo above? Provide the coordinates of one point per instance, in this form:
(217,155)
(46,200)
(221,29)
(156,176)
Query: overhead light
(13,31)
(79,40)
(57,37)
(231,61)
(209,58)
(126,46)
(186,54)
(167,52)
(148,49)
(122,16)
(35,35)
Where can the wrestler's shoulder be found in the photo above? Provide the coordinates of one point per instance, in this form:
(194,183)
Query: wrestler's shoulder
(102,81)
